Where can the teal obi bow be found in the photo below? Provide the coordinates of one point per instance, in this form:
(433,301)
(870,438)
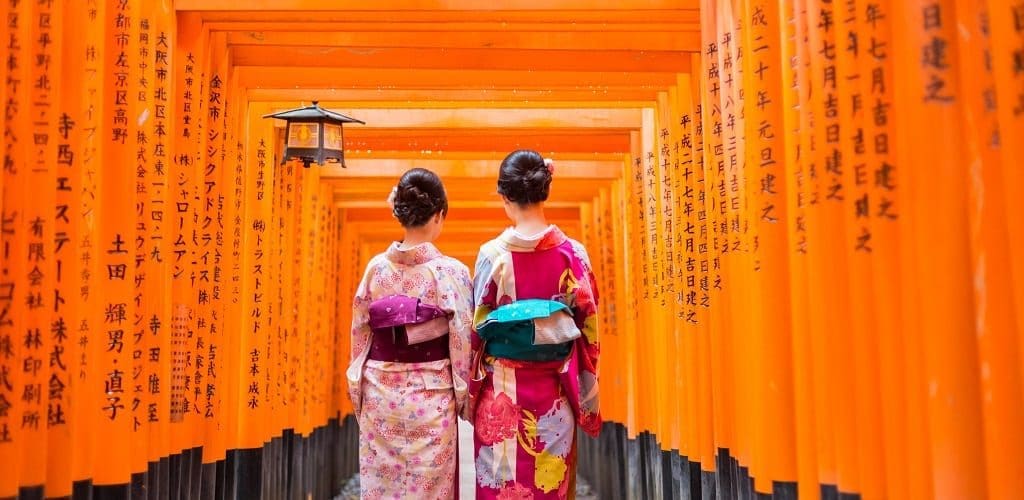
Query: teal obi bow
(529,330)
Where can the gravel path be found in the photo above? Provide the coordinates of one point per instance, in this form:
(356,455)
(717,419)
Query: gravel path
(351,490)
(466,472)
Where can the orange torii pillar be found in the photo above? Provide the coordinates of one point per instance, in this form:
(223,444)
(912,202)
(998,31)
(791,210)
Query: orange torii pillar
(141,310)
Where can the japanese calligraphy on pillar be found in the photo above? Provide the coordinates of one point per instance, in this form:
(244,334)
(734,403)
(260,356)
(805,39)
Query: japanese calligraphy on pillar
(286,289)
(67,303)
(271,278)
(301,342)
(764,60)
(668,161)
(599,241)
(880,200)
(13,233)
(650,208)
(319,327)
(935,56)
(854,151)
(195,356)
(1006,21)
(234,187)
(732,183)
(976,58)
(696,244)
(990,245)
(215,360)
(86,336)
(236,223)
(156,320)
(681,160)
(638,197)
(181,258)
(38,220)
(608,256)
(803,163)
(212,259)
(1008,27)
(145,304)
(115,309)
(297,364)
(1017,57)
(691,209)
(179,345)
(830,155)
(256,295)
(714,168)
(212,241)
(851,167)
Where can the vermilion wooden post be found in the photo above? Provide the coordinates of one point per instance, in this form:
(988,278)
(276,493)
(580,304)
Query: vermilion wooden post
(942,329)
(1006,20)
(114,312)
(997,330)
(861,345)
(706,378)
(185,180)
(63,437)
(161,215)
(258,179)
(876,67)
(14,239)
(766,148)
(796,101)
(213,247)
(146,302)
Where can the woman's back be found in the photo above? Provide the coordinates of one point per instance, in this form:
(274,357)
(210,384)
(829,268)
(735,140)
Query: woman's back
(411,322)
(535,346)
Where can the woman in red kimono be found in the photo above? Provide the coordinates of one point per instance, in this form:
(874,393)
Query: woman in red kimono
(535,346)
(411,322)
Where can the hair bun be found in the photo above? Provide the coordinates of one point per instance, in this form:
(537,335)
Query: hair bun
(418,197)
(524,178)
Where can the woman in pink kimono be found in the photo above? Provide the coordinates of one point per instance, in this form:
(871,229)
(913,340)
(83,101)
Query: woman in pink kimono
(411,324)
(534,376)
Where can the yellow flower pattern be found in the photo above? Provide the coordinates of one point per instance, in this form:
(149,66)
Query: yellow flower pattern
(549,472)
(549,469)
(529,424)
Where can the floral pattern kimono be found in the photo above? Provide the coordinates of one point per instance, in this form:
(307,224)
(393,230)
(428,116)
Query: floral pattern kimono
(525,410)
(406,407)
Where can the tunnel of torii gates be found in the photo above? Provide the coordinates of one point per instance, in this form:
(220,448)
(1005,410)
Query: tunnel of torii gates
(806,219)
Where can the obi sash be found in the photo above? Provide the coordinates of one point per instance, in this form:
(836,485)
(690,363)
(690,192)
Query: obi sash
(407,331)
(529,330)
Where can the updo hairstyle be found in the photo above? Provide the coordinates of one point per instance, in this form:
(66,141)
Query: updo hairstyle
(418,197)
(524,179)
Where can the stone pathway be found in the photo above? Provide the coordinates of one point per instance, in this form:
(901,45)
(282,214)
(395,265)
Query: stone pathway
(466,472)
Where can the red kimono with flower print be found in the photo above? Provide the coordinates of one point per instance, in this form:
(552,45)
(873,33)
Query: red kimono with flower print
(525,412)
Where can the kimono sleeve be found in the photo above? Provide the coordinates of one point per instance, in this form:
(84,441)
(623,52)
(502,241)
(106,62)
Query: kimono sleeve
(485,290)
(360,344)
(457,298)
(485,293)
(585,296)
(585,313)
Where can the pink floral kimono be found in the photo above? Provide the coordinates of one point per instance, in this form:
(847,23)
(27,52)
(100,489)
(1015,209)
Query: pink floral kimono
(535,375)
(411,324)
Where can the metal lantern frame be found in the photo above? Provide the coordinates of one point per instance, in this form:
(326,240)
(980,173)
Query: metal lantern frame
(309,134)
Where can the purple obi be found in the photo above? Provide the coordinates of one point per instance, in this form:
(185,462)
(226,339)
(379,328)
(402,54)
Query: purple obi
(407,331)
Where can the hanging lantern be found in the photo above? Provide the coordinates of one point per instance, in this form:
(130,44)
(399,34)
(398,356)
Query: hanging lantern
(313,134)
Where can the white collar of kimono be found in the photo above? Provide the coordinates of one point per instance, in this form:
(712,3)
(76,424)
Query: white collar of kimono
(548,238)
(418,254)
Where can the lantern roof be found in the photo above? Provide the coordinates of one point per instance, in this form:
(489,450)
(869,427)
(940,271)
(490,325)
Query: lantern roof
(311,113)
